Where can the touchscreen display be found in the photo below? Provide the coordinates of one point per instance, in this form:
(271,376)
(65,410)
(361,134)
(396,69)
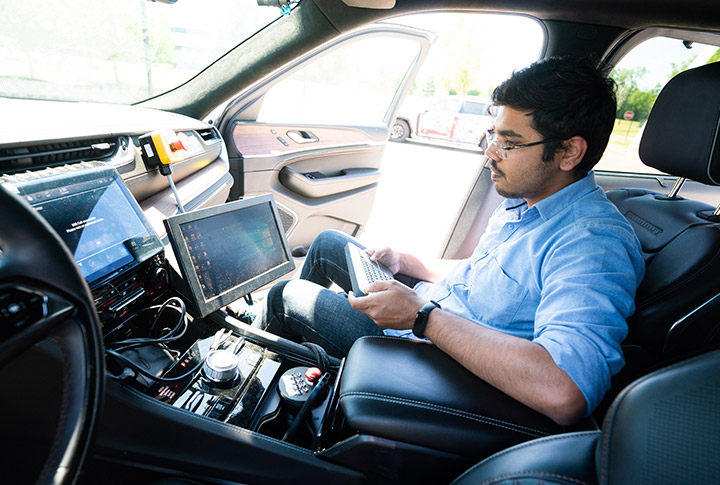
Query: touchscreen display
(233,247)
(227,251)
(96,216)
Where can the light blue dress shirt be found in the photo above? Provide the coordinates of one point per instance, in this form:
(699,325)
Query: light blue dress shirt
(562,274)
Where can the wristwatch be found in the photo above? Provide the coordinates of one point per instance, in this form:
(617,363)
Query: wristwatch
(422,318)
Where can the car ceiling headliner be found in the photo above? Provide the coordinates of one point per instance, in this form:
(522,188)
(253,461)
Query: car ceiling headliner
(314,22)
(629,14)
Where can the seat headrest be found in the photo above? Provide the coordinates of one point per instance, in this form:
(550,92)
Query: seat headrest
(682,135)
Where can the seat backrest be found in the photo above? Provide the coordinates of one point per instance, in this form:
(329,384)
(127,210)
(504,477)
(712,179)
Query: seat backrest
(664,427)
(680,238)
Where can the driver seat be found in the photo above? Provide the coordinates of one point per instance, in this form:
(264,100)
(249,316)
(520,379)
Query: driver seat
(663,428)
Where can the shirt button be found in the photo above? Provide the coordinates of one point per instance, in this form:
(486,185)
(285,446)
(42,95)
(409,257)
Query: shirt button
(511,226)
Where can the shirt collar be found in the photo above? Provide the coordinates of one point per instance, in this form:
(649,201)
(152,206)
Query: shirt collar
(560,200)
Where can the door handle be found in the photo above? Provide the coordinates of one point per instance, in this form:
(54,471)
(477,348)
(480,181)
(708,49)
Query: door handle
(302,136)
(316,184)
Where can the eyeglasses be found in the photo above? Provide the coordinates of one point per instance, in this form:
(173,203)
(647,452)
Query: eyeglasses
(502,150)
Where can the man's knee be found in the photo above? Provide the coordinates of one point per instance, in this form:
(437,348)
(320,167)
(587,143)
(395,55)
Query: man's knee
(274,304)
(329,241)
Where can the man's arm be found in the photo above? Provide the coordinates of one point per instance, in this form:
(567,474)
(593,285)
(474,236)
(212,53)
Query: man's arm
(522,369)
(409,265)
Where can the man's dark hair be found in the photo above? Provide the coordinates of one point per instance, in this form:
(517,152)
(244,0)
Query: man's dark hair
(565,97)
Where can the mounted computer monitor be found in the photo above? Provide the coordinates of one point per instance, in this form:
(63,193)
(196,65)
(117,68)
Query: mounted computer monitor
(227,251)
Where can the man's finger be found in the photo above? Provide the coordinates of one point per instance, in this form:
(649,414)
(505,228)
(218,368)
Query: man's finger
(380,286)
(358,303)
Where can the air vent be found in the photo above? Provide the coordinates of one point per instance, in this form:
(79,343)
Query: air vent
(51,154)
(208,134)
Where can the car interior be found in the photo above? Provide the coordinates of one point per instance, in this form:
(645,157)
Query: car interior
(136,240)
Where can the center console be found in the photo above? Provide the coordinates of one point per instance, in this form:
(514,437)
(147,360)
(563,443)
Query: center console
(159,338)
(193,388)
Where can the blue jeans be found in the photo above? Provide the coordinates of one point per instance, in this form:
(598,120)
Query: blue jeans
(305,310)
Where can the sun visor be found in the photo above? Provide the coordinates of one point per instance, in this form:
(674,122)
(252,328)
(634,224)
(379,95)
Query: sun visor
(376,4)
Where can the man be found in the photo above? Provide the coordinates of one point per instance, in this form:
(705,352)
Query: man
(539,308)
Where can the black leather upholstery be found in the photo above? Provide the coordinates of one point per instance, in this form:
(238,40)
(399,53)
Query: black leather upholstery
(663,428)
(681,133)
(412,392)
(681,243)
(565,458)
(682,255)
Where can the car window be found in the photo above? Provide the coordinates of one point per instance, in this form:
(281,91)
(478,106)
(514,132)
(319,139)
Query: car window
(116,51)
(472,108)
(444,105)
(447,105)
(354,84)
(465,59)
(640,76)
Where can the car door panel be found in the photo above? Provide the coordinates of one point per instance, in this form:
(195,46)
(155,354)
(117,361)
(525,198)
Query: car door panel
(327,183)
(323,175)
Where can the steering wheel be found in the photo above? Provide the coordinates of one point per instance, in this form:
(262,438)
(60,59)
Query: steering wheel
(44,296)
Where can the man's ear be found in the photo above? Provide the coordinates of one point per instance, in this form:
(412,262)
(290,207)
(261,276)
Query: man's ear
(572,153)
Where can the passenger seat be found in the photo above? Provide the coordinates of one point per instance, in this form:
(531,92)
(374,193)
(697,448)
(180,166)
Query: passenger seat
(678,299)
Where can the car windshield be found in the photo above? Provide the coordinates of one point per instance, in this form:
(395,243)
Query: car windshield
(116,51)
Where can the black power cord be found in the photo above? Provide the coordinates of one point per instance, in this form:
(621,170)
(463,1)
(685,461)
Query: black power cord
(132,369)
(315,398)
(140,370)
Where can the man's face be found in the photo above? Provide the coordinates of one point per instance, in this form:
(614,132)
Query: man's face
(523,175)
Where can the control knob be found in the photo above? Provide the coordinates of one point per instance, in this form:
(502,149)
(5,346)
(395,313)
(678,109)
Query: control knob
(222,366)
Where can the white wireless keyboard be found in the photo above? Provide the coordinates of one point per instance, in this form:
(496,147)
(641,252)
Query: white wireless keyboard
(363,271)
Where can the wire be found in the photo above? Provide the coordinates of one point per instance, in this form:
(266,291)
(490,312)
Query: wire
(170,336)
(167,303)
(147,374)
(180,207)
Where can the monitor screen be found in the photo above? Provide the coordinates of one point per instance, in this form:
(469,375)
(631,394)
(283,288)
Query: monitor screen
(95,215)
(227,251)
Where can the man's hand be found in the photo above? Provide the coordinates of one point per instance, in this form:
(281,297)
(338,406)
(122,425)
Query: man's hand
(387,256)
(409,265)
(390,304)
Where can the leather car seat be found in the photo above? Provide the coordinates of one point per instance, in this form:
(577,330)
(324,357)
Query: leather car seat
(680,238)
(663,428)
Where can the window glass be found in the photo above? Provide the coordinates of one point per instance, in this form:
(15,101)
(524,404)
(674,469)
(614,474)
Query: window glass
(472,54)
(116,51)
(354,84)
(640,76)
(450,105)
(471,108)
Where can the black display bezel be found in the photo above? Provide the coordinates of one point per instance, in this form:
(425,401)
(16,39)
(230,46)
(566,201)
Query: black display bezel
(201,303)
(70,181)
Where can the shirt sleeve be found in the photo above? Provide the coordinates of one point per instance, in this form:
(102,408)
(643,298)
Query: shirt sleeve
(588,284)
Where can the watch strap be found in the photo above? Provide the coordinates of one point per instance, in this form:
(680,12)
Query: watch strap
(422,318)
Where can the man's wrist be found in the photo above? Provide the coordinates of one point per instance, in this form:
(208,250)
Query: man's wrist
(402,264)
(421,319)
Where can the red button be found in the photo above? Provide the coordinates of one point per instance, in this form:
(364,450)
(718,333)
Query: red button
(312,374)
